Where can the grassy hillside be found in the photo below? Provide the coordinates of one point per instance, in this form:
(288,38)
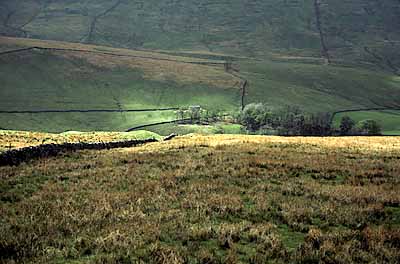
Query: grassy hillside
(62,80)
(111,78)
(216,199)
(357,31)
(319,88)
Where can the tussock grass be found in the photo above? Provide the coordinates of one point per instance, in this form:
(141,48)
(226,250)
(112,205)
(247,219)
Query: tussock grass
(208,199)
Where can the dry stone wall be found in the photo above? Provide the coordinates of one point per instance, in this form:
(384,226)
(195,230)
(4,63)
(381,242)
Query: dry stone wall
(17,156)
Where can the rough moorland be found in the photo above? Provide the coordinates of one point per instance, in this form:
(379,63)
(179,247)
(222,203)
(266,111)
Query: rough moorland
(214,199)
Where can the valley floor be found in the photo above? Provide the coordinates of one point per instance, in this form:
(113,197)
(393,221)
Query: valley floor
(208,199)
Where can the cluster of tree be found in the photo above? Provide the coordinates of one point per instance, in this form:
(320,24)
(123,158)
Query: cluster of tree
(291,121)
(197,115)
(287,121)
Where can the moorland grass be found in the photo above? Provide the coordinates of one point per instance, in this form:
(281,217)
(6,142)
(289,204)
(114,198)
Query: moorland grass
(208,199)
(19,139)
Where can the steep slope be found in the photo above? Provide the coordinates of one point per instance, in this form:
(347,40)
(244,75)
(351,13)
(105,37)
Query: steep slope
(356,31)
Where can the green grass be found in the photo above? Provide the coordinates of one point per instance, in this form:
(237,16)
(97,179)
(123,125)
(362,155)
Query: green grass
(40,81)
(319,88)
(43,80)
(394,213)
(60,122)
(291,239)
(389,120)
(231,128)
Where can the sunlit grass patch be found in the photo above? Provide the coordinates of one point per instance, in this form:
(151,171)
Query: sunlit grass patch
(19,139)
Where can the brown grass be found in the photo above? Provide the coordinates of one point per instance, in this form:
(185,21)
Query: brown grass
(10,139)
(208,199)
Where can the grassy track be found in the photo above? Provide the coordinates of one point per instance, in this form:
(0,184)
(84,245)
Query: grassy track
(220,199)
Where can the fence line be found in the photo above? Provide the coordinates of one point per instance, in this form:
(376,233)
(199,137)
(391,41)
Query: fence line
(157,124)
(333,114)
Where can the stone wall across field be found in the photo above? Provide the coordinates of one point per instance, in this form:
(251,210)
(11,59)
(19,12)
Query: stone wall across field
(17,156)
